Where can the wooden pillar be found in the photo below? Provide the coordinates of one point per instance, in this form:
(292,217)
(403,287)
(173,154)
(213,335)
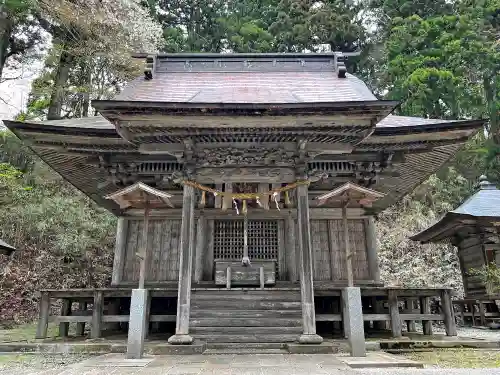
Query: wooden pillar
(282,266)
(264,199)
(449,316)
(120,249)
(218,198)
(227,201)
(65,311)
(80,326)
(95,331)
(309,335)
(43,317)
(348,254)
(425,308)
(144,250)
(200,248)
(290,231)
(372,249)
(394,312)
(482,311)
(185,269)
(410,306)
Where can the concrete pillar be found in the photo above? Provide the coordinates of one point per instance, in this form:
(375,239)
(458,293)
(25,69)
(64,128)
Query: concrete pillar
(309,335)
(185,270)
(372,249)
(138,323)
(353,320)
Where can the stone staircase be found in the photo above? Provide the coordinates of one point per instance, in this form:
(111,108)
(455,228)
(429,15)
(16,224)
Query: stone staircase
(246,319)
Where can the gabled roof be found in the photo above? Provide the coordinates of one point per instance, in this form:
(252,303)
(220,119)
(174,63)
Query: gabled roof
(484,204)
(5,248)
(246,78)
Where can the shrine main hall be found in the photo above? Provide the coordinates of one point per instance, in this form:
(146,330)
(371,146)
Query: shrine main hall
(268,171)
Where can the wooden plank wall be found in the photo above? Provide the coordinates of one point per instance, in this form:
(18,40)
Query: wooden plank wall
(329,253)
(163,250)
(472,256)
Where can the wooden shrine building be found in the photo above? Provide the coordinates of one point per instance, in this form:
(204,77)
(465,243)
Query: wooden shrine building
(474,228)
(6,249)
(246,143)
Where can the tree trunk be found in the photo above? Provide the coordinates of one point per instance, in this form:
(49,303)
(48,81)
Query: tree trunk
(60,80)
(6,27)
(490,92)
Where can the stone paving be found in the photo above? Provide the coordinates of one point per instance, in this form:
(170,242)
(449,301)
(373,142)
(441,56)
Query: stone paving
(257,364)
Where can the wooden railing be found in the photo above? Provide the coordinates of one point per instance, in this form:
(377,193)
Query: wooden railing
(384,307)
(103,309)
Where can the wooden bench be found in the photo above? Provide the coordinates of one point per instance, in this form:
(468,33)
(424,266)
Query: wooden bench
(259,273)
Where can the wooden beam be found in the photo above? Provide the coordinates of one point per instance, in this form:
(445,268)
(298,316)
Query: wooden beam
(120,248)
(394,312)
(43,317)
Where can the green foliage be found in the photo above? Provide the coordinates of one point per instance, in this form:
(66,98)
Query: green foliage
(490,275)
(63,239)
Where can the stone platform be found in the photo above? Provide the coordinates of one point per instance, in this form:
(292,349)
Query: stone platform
(159,346)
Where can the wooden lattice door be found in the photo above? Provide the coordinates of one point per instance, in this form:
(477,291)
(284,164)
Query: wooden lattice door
(263,240)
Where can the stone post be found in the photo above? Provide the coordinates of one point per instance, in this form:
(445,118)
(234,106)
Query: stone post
(138,323)
(353,320)
(309,335)
(372,250)
(185,269)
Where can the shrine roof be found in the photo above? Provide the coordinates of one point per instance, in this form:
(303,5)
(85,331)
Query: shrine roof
(5,248)
(72,147)
(392,124)
(484,204)
(245,78)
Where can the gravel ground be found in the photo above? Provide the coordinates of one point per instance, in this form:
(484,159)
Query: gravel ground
(14,363)
(486,334)
(432,371)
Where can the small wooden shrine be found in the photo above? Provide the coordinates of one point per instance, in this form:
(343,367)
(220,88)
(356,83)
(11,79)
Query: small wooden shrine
(244,144)
(474,228)
(6,249)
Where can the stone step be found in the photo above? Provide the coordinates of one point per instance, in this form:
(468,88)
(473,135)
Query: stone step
(244,351)
(236,313)
(245,322)
(222,338)
(225,296)
(246,345)
(246,330)
(244,305)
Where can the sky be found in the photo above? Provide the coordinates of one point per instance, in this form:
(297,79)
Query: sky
(14,93)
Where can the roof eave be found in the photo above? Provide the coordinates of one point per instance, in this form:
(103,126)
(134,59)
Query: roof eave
(438,127)
(220,108)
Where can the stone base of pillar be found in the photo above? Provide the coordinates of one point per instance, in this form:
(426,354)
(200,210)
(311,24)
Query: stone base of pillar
(180,340)
(353,320)
(310,339)
(137,323)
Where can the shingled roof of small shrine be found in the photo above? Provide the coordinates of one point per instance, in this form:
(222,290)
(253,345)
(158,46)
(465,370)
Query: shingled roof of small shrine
(5,248)
(485,203)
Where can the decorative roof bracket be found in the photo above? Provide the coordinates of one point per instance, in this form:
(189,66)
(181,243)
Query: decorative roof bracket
(150,67)
(339,63)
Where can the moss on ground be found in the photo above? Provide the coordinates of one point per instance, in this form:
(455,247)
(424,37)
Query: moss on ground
(38,361)
(26,333)
(458,358)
